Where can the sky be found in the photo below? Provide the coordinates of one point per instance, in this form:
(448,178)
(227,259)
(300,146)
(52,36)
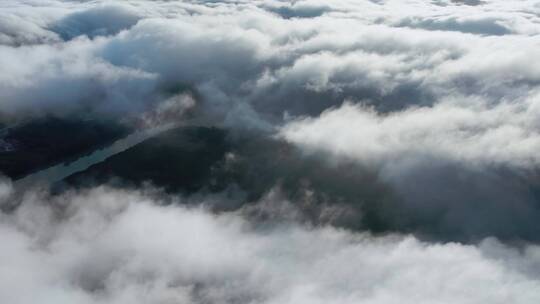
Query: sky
(433,106)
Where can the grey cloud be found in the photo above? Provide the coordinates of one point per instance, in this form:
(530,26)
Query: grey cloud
(469,2)
(488,26)
(16,31)
(70,79)
(300,10)
(451,99)
(250,68)
(99,21)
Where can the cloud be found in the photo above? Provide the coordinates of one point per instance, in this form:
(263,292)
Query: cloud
(111,246)
(67,79)
(444,107)
(429,105)
(17,31)
(299,9)
(243,59)
(458,169)
(484,26)
(470,131)
(98,21)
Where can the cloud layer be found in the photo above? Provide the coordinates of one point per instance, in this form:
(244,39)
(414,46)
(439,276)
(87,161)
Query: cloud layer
(434,103)
(265,58)
(111,246)
(440,94)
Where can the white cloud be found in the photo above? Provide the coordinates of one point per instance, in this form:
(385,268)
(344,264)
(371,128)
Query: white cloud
(442,102)
(461,169)
(238,54)
(67,78)
(469,131)
(110,246)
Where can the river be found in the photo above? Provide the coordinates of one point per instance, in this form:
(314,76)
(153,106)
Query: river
(58,172)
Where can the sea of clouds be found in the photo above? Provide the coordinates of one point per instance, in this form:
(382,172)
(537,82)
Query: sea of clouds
(438,100)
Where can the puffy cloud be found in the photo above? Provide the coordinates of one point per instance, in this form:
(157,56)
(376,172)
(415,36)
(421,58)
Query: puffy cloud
(63,79)
(441,109)
(299,9)
(17,31)
(110,246)
(242,56)
(459,168)
(449,104)
(470,131)
(98,21)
